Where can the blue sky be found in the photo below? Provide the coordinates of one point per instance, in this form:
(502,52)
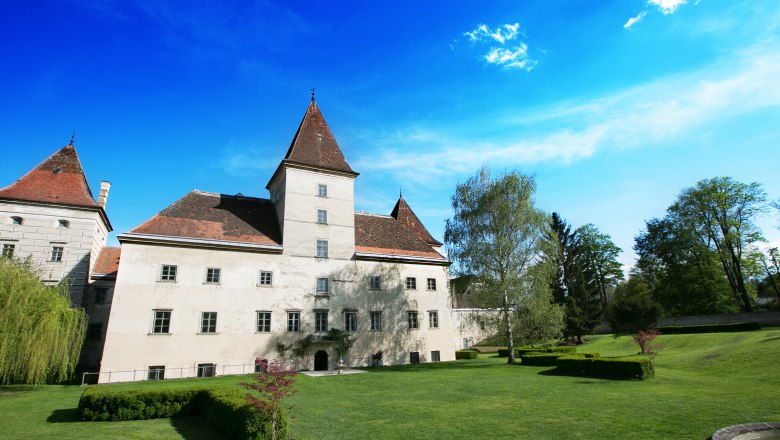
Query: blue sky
(615,106)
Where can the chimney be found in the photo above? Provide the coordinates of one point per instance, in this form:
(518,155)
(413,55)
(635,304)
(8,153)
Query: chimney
(104,187)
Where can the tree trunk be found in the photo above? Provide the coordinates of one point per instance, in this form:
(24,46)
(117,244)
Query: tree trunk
(510,344)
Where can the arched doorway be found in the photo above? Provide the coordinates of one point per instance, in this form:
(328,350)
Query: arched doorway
(321,360)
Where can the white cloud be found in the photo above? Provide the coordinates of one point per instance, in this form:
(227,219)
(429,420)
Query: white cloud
(631,21)
(670,110)
(667,6)
(500,52)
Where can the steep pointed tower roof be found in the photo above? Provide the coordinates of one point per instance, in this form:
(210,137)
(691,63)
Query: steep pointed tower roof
(404,214)
(315,147)
(58,179)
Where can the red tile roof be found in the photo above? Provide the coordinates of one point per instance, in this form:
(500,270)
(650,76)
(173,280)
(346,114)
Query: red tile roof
(221,217)
(58,179)
(314,144)
(404,214)
(381,234)
(107,264)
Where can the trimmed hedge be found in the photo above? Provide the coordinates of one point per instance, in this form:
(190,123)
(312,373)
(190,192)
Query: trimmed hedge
(618,368)
(504,352)
(466,354)
(226,409)
(540,359)
(709,328)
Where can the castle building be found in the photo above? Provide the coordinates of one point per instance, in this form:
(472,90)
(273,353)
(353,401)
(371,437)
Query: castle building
(215,281)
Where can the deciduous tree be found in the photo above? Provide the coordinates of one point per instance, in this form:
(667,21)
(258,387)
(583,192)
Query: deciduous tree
(498,236)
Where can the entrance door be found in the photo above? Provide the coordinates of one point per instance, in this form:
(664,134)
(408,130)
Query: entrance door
(321,360)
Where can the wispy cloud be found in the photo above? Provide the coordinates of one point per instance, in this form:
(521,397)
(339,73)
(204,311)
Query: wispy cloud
(673,109)
(505,48)
(633,20)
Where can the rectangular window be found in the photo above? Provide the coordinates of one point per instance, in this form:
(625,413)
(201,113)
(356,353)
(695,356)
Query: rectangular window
(321,321)
(322,190)
(156,372)
(431,283)
(207,370)
(56,253)
(322,248)
(433,319)
(162,321)
(481,325)
(293,321)
(411,317)
(435,356)
(208,322)
(350,321)
(101,293)
(374,283)
(414,357)
(168,273)
(8,250)
(212,275)
(263,322)
(322,216)
(411,283)
(94,331)
(322,286)
(266,278)
(376,321)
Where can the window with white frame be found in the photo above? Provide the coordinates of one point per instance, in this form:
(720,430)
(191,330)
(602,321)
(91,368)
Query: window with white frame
(320,320)
(16,220)
(293,321)
(156,372)
(322,216)
(322,190)
(374,283)
(411,318)
(433,319)
(207,370)
(350,320)
(208,322)
(8,250)
(63,224)
(263,322)
(431,283)
(322,286)
(266,278)
(322,248)
(213,275)
(411,283)
(162,322)
(376,321)
(168,272)
(435,356)
(56,253)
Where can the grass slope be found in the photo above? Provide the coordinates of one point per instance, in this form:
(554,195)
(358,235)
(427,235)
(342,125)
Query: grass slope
(703,382)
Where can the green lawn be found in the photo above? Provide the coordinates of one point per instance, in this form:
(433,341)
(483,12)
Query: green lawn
(703,382)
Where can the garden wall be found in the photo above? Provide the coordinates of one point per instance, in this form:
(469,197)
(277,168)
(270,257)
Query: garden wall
(766,319)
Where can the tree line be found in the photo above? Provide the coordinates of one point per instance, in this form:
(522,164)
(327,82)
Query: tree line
(544,278)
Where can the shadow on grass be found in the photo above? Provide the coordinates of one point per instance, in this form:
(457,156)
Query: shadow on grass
(196,428)
(66,415)
(13,389)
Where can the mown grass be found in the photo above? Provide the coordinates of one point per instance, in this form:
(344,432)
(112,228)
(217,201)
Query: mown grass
(703,382)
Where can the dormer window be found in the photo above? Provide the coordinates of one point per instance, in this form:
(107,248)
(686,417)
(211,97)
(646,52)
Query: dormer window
(322,190)
(63,224)
(15,220)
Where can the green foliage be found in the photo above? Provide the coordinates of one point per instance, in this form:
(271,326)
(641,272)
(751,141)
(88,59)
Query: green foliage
(709,328)
(343,341)
(617,368)
(226,409)
(547,349)
(466,354)
(497,236)
(632,313)
(40,334)
(538,359)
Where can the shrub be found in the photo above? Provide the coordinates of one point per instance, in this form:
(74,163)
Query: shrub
(619,368)
(709,328)
(546,349)
(466,354)
(540,359)
(225,408)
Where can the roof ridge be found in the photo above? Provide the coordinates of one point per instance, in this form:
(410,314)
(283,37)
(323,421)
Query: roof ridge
(372,214)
